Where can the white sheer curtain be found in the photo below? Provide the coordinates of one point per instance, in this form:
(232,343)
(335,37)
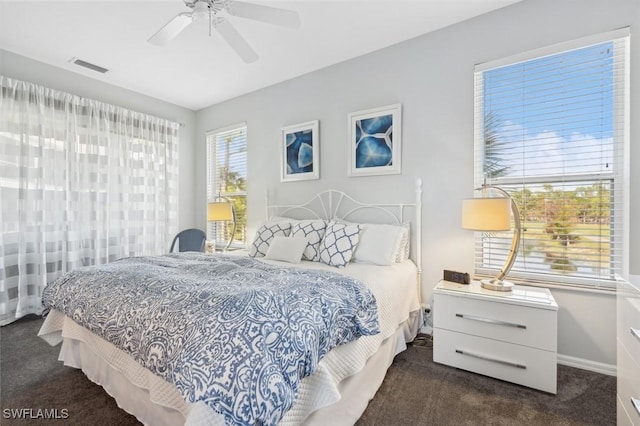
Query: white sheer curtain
(81,183)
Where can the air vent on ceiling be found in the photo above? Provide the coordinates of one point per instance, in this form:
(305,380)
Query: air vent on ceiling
(88,65)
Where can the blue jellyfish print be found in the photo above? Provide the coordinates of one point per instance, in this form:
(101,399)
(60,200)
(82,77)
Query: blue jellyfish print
(374,142)
(299,152)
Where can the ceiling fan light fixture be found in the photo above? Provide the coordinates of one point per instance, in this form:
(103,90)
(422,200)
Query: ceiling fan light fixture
(208,9)
(200,10)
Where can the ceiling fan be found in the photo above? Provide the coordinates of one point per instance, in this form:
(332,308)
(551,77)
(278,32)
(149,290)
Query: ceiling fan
(209,9)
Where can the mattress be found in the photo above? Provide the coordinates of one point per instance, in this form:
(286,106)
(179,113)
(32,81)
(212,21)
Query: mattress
(155,401)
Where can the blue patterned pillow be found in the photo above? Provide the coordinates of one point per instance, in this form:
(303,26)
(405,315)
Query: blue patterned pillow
(313,231)
(339,242)
(265,234)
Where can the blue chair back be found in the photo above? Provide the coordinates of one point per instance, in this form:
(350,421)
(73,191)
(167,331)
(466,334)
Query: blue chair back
(189,240)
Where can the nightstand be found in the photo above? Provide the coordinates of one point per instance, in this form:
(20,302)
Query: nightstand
(628,296)
(512,336)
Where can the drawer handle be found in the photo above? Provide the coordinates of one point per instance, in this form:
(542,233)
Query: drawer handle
(487,358)
(636,404)
(635,333)
(492,321)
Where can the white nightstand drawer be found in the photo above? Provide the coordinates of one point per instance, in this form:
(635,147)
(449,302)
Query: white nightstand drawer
(623,418)
(519,364)
(629,324)
(523,325)
(629,384)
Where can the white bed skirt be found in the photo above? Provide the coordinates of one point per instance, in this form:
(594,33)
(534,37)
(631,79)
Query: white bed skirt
(154,401)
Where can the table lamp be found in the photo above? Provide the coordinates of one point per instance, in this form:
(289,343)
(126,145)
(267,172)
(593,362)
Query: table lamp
(222,211)
(490,214)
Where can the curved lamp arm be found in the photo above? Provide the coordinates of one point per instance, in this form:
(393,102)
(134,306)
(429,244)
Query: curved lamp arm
(233,215)
(515,242)
(233,230)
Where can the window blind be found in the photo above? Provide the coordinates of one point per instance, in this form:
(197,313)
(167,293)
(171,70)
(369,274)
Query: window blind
(551,131)
(227,179)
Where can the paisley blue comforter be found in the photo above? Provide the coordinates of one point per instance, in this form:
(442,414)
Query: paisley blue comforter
(231,331)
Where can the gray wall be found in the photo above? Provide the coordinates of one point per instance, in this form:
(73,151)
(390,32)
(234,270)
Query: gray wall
(25,69)
(432,77)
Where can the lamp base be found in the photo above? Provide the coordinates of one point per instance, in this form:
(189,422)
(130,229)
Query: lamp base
(497,285)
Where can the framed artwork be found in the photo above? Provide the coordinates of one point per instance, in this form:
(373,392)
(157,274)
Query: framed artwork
(375,141)
(300,158)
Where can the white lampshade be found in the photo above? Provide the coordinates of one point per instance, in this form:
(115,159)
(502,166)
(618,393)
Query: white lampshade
(219,211)
(486,214)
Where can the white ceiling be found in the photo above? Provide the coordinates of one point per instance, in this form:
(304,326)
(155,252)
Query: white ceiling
(195,70)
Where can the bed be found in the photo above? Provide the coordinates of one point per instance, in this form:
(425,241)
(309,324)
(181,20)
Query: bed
(335,382)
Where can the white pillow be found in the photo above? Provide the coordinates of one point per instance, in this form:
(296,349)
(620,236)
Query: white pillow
(379,244)
(339,242)
(405,243)
(287,249)
(265,234)
(313,231)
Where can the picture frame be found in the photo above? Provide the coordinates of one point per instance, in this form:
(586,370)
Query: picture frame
(375,141)
(300,159)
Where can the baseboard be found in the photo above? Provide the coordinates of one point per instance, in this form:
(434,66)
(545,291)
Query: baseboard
(585,364)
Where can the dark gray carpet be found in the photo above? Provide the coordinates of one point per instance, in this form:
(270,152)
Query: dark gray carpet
(420,392)
(416,391)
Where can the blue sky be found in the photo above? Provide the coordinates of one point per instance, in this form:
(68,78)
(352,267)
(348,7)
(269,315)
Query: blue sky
(568,101)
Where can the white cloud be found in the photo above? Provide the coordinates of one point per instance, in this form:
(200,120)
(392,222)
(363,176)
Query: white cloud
(549,153)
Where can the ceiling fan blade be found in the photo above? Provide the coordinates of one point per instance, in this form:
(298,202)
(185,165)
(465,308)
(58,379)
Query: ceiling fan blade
(171,29)
(268,14)
(235,40)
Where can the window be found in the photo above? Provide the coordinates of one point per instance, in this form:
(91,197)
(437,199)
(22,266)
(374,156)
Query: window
(551,129)
(82,183)
(227,179)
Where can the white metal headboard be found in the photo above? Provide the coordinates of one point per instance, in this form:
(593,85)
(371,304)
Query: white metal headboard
(334,204)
